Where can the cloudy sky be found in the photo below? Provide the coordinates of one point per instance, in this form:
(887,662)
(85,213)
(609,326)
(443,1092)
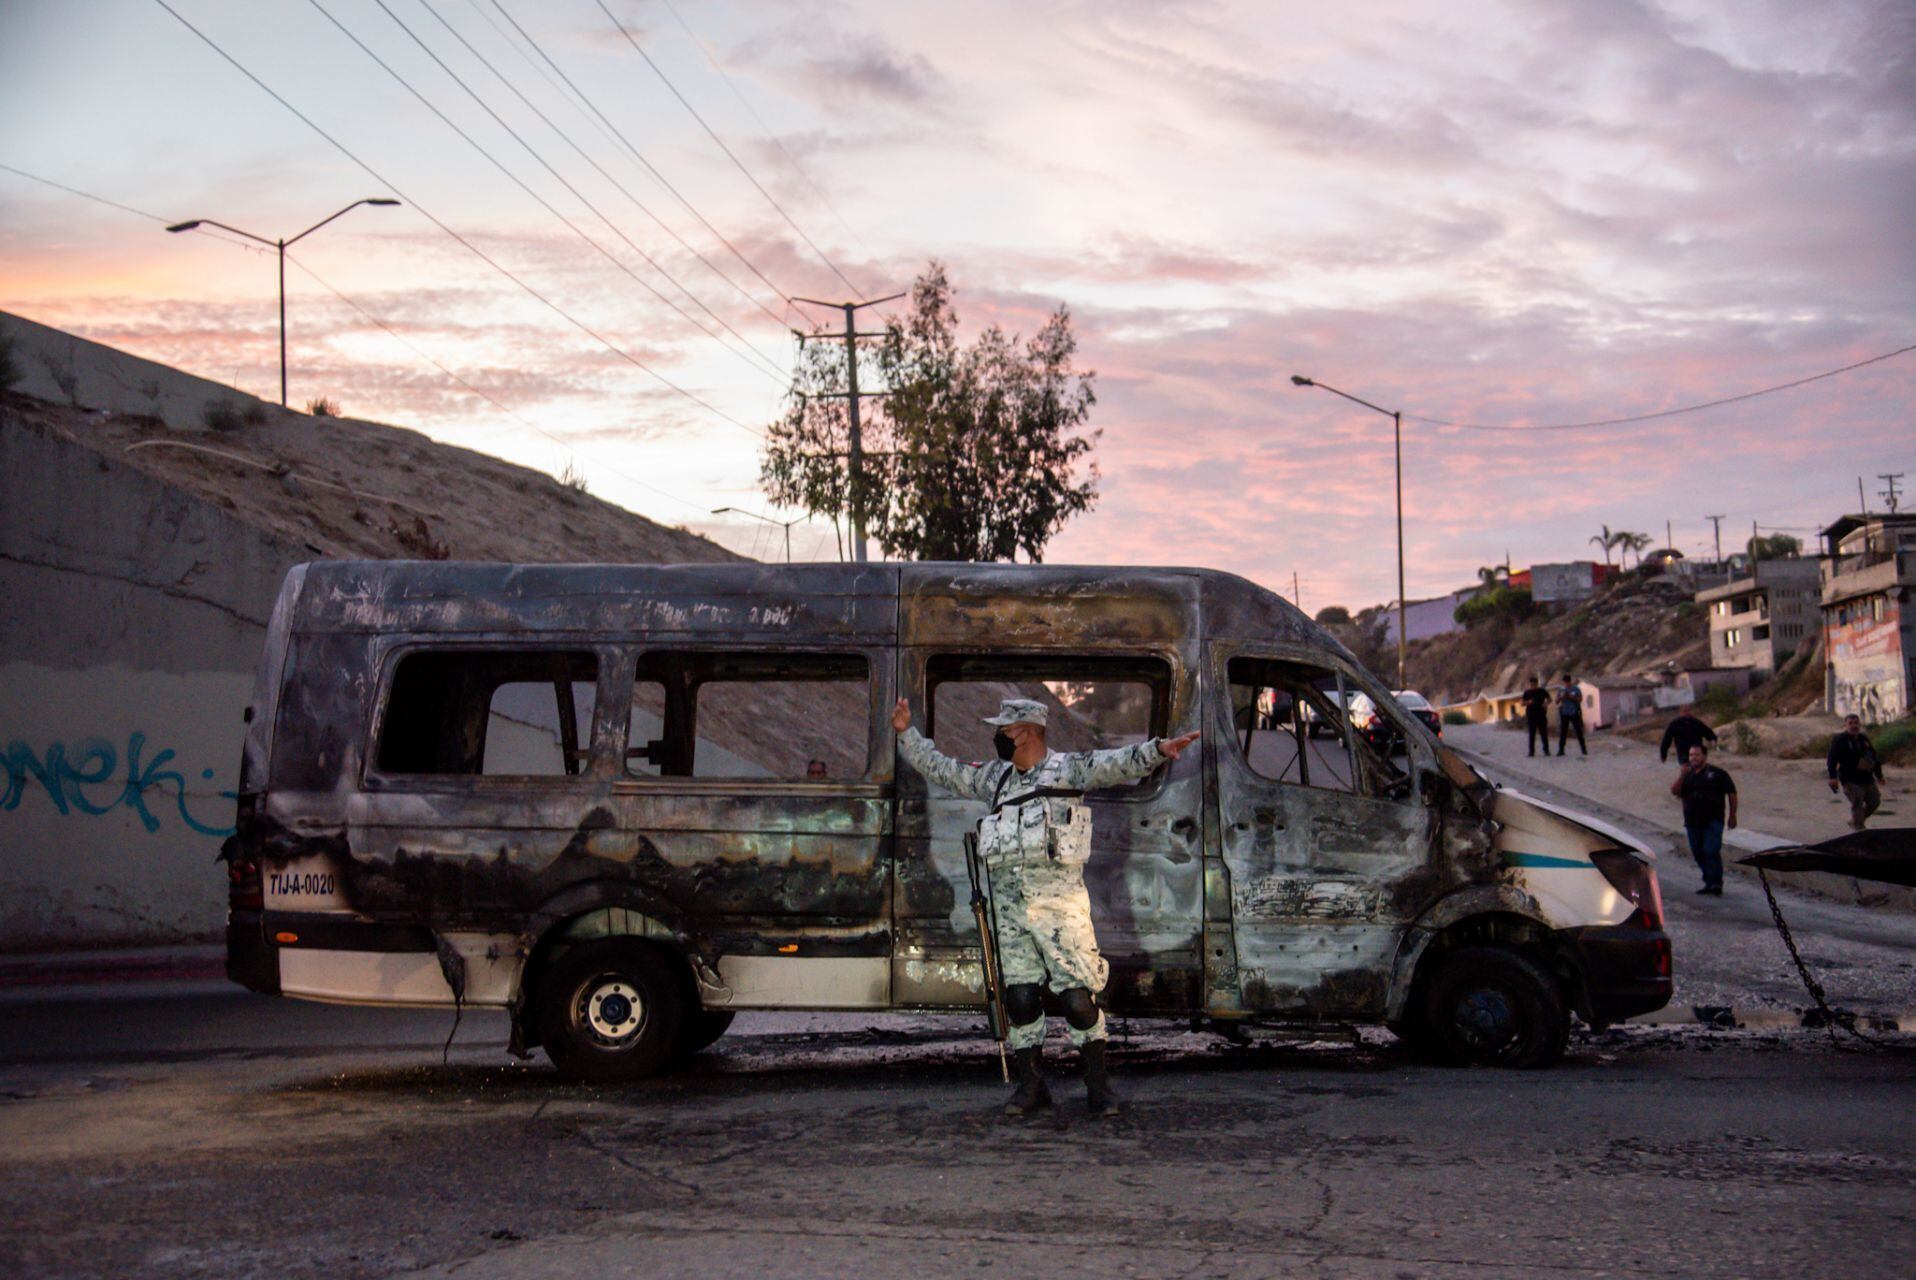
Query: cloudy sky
(1518,215)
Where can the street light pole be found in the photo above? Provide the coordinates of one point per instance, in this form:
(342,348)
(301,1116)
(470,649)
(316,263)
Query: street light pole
(279,247)
(1397,452)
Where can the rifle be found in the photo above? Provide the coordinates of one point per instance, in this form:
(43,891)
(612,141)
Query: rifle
(985,911)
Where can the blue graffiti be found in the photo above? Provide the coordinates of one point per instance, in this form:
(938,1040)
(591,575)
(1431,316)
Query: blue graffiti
(87,778)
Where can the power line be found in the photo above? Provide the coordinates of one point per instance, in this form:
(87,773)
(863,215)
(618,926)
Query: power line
(638,155)
(1667,413)
(472,248)
(600,169)
(790,159)
(740,164)
(775,373)
(641,206)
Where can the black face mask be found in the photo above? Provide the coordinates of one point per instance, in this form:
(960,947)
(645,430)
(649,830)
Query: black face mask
(1005,746)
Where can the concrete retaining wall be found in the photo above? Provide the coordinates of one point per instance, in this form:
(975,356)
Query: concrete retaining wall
(131,616)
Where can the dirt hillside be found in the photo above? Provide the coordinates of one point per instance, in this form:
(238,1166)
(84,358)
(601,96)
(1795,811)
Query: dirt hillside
(1633,625)
(351,489)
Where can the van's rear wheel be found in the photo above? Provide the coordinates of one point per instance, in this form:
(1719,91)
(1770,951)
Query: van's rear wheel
(703,1029)
(612,1010)
(1493,1007)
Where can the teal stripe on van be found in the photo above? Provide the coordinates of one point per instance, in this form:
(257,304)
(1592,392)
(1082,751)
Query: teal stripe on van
(1543,860)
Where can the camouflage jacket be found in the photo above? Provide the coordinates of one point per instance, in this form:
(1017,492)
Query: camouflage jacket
(1056,828)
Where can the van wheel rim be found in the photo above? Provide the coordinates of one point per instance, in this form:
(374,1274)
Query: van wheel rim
(1486,1019)
(612,1012)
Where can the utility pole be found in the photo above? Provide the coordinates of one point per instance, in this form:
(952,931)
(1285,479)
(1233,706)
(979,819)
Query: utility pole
(855,459)
(1296,598)
(1753,545)
(1861,501)
(1716,531)
(1889,494)
(1669,538)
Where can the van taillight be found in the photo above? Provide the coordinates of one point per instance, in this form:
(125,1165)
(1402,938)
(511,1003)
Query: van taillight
(1636,880)
(244,890)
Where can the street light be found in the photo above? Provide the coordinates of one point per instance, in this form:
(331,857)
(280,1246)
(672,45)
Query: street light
(1397,445)
(786,525)
(280,245)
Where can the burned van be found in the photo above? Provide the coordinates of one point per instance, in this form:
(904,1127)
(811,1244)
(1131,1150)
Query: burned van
(623,802)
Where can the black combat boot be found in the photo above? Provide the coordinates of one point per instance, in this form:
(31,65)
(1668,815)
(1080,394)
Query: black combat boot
(1098,1098)
(1027,1067)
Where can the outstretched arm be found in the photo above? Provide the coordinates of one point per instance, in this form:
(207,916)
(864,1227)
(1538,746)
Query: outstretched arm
(1095,769)
(969,780)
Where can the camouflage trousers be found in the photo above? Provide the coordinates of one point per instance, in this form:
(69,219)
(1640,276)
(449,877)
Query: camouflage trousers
(1045,938)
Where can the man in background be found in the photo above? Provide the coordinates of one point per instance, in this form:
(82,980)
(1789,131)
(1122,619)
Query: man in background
(1570,714)
(1536,714)
(1684,732)
(1709,801)
(1854,766)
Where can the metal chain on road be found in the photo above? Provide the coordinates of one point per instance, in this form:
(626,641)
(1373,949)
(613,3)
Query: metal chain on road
(1831,1021)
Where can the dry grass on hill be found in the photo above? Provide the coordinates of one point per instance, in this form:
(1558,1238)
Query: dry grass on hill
(352,489)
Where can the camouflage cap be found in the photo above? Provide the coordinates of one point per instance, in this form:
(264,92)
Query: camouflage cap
(1019,711)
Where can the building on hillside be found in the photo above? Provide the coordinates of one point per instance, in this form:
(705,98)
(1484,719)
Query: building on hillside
(1868,580)
(1426,618)
(1563,584)
(1488,708)
(1608,700)
(1681,686)
(1760,618)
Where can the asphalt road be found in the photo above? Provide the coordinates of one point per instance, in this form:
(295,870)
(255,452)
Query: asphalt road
(236,1135)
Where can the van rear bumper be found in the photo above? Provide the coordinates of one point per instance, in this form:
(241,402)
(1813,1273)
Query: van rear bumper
(1625,968)
(251,961)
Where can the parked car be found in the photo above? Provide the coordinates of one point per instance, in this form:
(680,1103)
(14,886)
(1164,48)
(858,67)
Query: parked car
(1380,732)
(1318,724)
(621,802)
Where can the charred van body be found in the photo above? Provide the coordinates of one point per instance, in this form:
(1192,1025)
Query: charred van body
(624,801)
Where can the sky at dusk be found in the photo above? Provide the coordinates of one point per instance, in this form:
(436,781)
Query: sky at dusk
(1519,214)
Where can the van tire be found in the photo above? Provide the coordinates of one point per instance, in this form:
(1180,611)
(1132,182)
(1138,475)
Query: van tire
(703,1029)
(1490,1007)
(589,997)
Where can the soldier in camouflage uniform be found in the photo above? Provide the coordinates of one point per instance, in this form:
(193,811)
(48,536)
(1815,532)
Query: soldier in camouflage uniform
(1035,846)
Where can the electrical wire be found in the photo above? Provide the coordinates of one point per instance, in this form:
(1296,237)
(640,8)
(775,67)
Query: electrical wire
(782,294)
(739,164)
(472,248)
(745,102)
(778,371)
(640,205)
(776,374)
(1666,413)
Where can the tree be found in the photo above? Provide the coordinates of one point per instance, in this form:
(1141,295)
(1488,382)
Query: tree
(1775,546)
(974,452)
(1490,575)
(1633,542)
(1333,615)
(1607,540)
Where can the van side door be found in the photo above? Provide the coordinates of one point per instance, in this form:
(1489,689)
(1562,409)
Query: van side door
(756,790)
(1325,843)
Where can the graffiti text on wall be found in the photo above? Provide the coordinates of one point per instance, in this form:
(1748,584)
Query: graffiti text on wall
(90,777)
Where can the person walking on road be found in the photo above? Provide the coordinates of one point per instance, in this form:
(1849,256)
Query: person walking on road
(1855,768)
(1685,731)
(1709,803)
(1536,714)
(1035,842)
(1570,714)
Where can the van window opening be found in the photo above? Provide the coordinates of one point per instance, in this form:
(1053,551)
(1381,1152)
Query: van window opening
(1095,701)
(520,713)
(1290,725)
(793,717)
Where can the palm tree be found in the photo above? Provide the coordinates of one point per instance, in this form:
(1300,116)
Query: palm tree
(1491,574)
(1638,541)
(1606,540)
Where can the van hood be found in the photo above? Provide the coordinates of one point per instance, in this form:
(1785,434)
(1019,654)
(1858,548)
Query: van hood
(1533,825)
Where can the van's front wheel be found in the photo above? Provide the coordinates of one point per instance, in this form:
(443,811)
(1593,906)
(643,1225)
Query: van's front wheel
(1494,1007)
(611,1010)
